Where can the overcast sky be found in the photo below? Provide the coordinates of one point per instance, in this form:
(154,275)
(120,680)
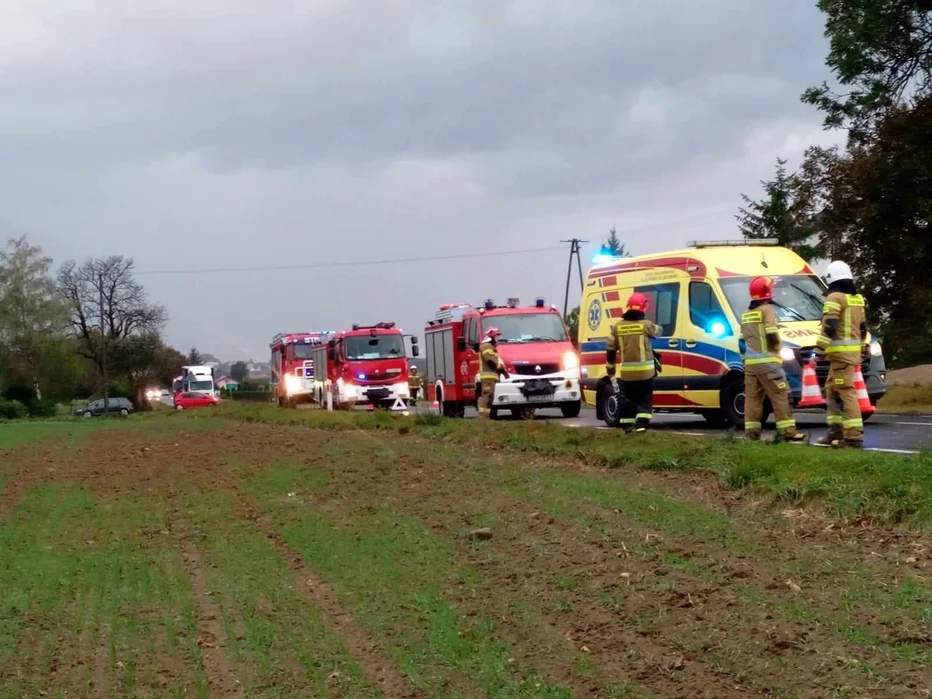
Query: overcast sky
(193,134)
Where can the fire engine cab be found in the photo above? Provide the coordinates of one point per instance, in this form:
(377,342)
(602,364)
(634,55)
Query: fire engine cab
(366,365)
(293,367)
(534,345)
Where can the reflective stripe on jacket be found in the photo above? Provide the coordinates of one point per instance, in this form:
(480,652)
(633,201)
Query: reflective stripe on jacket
(632,338)
(761,336)
(843,319)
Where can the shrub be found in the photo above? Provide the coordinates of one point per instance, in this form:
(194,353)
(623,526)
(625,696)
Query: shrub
(42,408)
(12,410)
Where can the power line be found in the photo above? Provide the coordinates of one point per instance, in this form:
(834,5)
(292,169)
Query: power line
(354,263)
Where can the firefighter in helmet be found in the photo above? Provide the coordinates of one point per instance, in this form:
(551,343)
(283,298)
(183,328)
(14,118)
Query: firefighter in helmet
(632,337)
(491,367)
(415,384)
(764,377)
(844,342)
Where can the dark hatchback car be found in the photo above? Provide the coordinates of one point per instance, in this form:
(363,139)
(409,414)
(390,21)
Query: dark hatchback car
(118,406)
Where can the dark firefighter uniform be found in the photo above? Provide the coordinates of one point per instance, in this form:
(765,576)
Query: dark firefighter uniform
(763,373)
(631,337)
(415,384)
(843,341)
(491,367)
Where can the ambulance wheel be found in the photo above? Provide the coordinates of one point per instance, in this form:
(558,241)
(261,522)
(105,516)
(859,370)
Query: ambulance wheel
(571,409)
(611,408)
(733,403)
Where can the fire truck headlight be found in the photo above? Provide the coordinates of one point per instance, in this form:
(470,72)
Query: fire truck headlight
(401,389)
(570,361)
(292,384)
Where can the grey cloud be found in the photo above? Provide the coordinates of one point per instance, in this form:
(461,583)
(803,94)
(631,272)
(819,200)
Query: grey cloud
(248,132)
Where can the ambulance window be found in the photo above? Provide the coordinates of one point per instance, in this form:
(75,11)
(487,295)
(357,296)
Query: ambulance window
(705,311)
(663,301)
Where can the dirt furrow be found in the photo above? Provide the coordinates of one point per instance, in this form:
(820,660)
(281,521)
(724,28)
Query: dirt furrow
(219,669)
(379,668)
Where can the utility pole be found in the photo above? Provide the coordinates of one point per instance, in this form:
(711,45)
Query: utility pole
(574,250)
(103,346)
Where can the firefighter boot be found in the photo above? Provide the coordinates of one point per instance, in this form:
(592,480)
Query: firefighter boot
(795,438)
(833,439)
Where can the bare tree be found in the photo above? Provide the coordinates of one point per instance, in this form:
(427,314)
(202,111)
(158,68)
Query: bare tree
(104,291)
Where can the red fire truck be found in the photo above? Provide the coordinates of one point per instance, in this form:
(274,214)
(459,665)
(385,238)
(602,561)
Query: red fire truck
(293,367)
(534,345)
(366,365)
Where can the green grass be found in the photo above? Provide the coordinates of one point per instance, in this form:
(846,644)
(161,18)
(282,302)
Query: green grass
(890,488)
(276,634)
(85,597)
(391,570)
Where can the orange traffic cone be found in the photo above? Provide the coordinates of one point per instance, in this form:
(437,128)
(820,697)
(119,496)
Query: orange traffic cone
(812,395)
(864,402)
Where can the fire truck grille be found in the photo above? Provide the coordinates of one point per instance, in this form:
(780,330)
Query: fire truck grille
(531,369)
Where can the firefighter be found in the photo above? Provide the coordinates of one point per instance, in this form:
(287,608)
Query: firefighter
(491,367)
(844,342)
(632,336)
(763,367)
(415,384)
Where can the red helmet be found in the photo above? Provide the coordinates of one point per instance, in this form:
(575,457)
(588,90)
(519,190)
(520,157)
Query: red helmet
(761,288)
(492,332)
(637,302)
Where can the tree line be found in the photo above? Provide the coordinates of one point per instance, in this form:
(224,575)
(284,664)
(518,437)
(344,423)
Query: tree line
(868,203)
(62,330)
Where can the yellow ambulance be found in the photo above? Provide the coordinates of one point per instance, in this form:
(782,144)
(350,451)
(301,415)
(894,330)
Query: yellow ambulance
(697,297)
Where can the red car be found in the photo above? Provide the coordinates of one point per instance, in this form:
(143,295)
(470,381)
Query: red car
(191,399)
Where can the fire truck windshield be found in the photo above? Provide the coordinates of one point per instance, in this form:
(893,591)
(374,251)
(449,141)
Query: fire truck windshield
(528,327)
(379,347)
(303,351)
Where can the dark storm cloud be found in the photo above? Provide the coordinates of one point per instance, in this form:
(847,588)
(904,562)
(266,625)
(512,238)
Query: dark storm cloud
(604,90)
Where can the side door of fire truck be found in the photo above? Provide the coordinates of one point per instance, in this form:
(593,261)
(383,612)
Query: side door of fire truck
(470,357)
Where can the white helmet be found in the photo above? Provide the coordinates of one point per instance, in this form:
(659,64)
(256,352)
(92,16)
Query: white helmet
(413,367)
(837,271)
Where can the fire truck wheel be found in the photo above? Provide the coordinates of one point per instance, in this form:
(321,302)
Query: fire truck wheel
(571,409)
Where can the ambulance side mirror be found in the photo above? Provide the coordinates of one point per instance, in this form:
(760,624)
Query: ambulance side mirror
(461,344)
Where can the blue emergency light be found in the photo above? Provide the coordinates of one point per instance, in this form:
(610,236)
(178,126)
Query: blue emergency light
(717,328)
(489,304)
(539,302)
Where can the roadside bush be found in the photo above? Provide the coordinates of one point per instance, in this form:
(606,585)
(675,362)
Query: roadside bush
(12,410)
(42,408)
(252,396)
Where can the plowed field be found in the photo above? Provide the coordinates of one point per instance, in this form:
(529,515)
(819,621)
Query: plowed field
(186,557)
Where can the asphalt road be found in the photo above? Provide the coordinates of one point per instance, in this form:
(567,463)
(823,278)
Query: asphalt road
(893,433)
